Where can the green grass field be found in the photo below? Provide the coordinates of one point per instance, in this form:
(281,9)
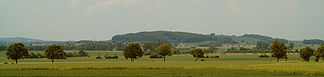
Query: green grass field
(228,65)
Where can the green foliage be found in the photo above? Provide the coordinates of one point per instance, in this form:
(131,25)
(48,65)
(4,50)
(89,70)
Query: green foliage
(211,49)
(155,56)
(17,51)
(278,50)
(93,45)
(167,36)
(98,57)
(306,53)
(36,48)
(291,46)
(262,45)
(54,52)
(319,53)
(164,50)
(133,51)
(232,49)
(120,46)
(33,55)
(313,41)
(83,53)
(3,48)
(265,38)
(197,53)
(150,46)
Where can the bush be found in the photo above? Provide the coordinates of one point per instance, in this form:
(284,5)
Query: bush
(155,56)
(98,57)
(33,55)
(111,57)
(5,63)
(211,56)
(40,55)
(263,55)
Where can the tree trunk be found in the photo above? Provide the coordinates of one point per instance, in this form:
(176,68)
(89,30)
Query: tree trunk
(277,59)
(16,61)
(316,59)
(52,60)
(163,58)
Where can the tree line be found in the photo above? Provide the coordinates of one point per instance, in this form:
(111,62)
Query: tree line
(134,51)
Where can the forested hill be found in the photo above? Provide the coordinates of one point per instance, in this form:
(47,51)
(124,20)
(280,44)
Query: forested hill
(186,37)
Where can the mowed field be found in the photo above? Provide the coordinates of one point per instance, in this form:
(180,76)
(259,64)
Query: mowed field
(228,65)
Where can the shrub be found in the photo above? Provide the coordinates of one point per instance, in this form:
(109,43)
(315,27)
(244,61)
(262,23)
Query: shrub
(155,56)
(98,57)
(211,56)
(40,55)
(111,57)
(5,63)
(263,55)
(33,55)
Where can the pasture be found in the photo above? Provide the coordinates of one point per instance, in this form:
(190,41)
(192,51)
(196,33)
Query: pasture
(183,65)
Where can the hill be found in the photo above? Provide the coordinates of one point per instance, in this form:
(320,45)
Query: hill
(186,37)
(19,39)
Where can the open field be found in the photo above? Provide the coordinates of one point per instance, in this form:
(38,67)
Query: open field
(230,65)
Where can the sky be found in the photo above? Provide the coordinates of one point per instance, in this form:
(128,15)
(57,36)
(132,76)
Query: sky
(102,19)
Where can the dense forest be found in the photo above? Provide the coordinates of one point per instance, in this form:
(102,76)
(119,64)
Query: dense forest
(313,41)
(264,38)
(184,37)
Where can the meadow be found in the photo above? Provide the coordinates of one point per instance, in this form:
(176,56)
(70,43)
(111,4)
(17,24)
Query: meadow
(183,65)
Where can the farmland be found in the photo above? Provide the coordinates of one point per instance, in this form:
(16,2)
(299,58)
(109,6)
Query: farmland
(233,65)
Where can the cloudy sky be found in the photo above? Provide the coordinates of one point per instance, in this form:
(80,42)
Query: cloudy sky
(102,19)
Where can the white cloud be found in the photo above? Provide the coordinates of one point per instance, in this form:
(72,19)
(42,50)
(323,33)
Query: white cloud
(99,5)
(233,8)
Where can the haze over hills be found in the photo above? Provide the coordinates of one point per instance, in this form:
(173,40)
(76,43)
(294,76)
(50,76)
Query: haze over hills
(19,39)
(168,36)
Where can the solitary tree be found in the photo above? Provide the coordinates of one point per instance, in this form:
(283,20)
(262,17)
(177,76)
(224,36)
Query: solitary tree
(133,51)
(164,50)
(54,52)
(319,53)
(291,46)
(306,53)
(197,53)
(278,50)
(17,51)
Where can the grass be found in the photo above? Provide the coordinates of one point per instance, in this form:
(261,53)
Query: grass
(149,73)
(229,65)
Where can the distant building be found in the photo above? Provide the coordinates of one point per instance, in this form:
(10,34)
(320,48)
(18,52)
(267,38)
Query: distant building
(236,45)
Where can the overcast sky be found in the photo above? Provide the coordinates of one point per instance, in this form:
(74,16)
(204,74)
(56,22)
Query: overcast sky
(102,19)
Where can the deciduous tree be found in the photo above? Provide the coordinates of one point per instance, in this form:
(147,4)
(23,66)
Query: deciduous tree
(164,50)
(319,53)
(17,51)
(278,50)
(133,51)
(306,53)
(54,52)
(197,53)
(291,46)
